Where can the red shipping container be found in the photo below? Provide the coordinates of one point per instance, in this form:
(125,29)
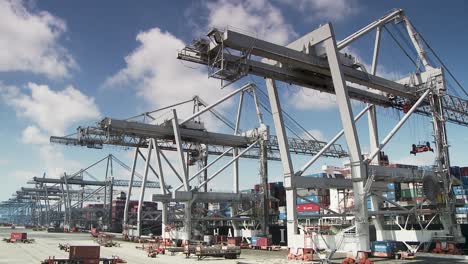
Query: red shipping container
(234,241)
(18,236)
(308,207)
(88,253)
(263,242)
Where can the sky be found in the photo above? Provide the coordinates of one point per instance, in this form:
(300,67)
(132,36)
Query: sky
(65,64)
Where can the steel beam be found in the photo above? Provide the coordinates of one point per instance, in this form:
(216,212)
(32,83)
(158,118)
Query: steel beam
(329,144)
(143,187)
(288,171)
(129,193)
(398,125)
(358,171)
(167,132)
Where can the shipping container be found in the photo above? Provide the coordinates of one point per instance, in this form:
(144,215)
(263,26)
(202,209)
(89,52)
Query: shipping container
(313,198)
(464,180)
(383,246)
(411,193)
(282,216)
(234,241)
(317,175)
(307,207)
(263,242)
(18,236)
(308,213)
(463,171)
(455,171)
(84,252)
(253,241)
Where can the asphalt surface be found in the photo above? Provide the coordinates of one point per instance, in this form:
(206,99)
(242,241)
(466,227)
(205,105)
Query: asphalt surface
(46,244)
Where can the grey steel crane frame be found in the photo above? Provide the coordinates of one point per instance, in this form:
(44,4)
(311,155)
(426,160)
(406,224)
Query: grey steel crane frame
(314,61)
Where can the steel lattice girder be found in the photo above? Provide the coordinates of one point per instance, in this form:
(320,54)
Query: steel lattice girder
(96,137)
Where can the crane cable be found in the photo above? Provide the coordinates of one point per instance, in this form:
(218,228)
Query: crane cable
(441,62)
(402,48)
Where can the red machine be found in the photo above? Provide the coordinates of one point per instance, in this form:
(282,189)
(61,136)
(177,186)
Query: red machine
(94,232)
(446,248)
(303,254)
(362,258)
(85,255)
(153,251)
(421,148)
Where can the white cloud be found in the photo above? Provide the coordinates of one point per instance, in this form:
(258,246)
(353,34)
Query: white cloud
(334,10)
(21,175)
(260,18)
(55,162)
(52,111)
(33,135)
(309,99)
(422,159)
(382,70)
(29,41)
(317,134)
(160,79)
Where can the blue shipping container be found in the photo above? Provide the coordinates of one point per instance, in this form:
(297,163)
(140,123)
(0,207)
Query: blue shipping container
(464,180)
(317,175)
(313,198)
(384,246)
(308,213)
(253,241)
(282,216)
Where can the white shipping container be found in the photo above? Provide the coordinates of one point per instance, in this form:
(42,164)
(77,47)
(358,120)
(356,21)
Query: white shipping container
(214,206)
(282,209)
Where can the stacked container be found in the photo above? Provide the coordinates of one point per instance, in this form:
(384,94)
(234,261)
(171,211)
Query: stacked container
(305,207)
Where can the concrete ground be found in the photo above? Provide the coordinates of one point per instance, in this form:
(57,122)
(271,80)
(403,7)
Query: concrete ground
(46,244)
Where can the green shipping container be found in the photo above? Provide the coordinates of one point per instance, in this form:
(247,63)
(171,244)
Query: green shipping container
(410,193)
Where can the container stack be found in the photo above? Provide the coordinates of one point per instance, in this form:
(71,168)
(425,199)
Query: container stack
(219,210)
(410,192)
(305,207)
(275,189)
(461,192)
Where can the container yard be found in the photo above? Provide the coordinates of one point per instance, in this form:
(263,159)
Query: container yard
(253,143)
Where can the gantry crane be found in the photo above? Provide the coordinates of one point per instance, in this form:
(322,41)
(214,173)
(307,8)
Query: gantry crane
(316,61)
(190,137)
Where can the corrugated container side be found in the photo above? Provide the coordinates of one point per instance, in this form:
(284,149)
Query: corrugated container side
(84,252)
(313,198)
(307,207)
(282,216)
(253,241)
(17,235)
(263,241)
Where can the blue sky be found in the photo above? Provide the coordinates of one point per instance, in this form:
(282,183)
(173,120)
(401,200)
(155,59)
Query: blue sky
(66,64)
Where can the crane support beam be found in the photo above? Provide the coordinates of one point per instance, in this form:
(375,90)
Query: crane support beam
(301,61)
(331,183)
(206,197)
(117,183)
(167,132)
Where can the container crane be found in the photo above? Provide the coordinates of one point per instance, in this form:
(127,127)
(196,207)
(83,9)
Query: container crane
(314,61)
